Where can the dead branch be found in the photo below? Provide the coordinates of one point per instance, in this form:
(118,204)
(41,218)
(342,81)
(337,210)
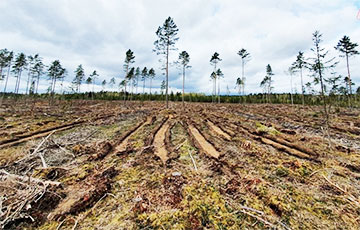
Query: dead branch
(27,179)
(193,161)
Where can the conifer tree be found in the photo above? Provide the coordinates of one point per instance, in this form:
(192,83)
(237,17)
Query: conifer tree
(167,35)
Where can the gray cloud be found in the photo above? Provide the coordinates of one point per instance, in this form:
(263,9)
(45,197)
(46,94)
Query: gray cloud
(97,34)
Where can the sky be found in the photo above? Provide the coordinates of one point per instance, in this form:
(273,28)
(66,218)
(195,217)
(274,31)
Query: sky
(97,34)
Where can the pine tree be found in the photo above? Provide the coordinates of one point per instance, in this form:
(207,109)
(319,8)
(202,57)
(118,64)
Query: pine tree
(219,75)
(167,35)
(184,59)
(93,76)
(18,67)
(137,75)
(37,70)
(6,61)
(239,84)
(112,82)
(215,59)
(129,78)
(347,49)
(298,66)
(103,84)
(129,59)
(266,83)
(79,77)
(55,72)
(144,75)
(318,65)
(151,76)
(245,57)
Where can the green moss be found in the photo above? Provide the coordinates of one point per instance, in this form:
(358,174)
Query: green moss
(265,129)
(282,172)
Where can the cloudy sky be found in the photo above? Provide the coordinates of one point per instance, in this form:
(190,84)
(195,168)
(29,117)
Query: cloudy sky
(97,33)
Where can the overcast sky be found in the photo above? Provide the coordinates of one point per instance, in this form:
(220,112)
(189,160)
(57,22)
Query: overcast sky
(97,33)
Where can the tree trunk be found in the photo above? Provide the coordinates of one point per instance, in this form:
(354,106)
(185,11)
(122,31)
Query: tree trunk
(302,87)
(132,90)
(37,83)
(291,91)
(144,87)
(137,84)
(150,86)
(348,69)
(183,86)
(93,91)
(167,75)
(7,78)
(27,84)
(243,77)
(219,91)
(19,79)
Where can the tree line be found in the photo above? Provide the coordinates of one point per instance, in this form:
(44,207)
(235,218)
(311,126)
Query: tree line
(318,65)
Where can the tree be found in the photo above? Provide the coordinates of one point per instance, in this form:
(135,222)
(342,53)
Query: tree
(30,64)
(334,84)
(137,75)
(239,84)
(130,77)
(318,65)
(266,83)
(219,74)
(298,66)
(347,49)
(18,67)
(122,84)
(215,59)
(103,84)
(88,81)
(6,61)
(55,72)
(162,87)
(93,76)
(167,35)
(290,72)
(129,59)
(144,74)
(112,82)
(184,59)
(151,76)
(3,61)
(79,77)
(37,70)
(245,57)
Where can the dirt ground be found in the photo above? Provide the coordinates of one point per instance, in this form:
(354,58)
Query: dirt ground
(110,165)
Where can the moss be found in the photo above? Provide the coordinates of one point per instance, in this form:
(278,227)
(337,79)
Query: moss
(265,129)
(202,207)
(282,172)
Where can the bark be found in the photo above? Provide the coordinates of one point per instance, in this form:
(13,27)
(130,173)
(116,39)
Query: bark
(183,86)
(167,74)
(302,86)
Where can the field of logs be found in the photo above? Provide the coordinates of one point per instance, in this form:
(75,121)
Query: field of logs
(114,165)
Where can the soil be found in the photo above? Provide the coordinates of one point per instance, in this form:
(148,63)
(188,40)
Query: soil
(137,165)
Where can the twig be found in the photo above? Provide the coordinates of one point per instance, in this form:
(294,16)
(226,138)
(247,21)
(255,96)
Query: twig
(27,178)
(37,149)
(193,161)
(258,218)
(65,150)
(179,146)
(252,209)
(59,226)
(350,196)
(76,222)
